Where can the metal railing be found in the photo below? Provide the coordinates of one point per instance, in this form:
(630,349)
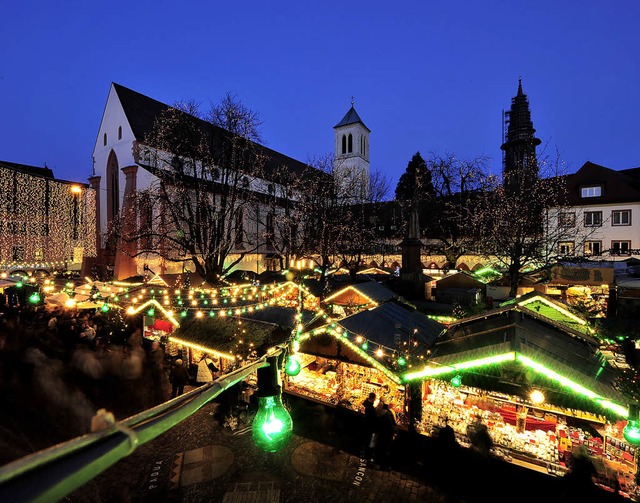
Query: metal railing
(51,474)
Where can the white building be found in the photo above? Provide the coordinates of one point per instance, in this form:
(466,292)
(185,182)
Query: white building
(602,215)
(351,163)
(129,116)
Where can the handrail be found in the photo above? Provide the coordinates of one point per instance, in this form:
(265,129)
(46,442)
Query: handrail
(52,473)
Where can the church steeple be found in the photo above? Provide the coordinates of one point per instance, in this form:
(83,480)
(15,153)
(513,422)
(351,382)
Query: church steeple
(520,165)
(351,161)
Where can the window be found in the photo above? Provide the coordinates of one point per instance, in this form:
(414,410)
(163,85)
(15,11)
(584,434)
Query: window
(270,229)
(565,248)
(566,220)
(620,247)
(593,191)
(621,217)
(239,228)
(18,253)
(119,132)
(593,248)
(592,218)
(350,147)
(344,144)
(271,188)
(245,182)
(39,254)
(104,140)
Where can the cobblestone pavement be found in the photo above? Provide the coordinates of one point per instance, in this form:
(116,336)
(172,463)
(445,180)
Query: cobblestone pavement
(199,461)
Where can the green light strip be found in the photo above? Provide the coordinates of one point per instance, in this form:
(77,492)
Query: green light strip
(550,304)
(527,362)
(573,386)
(445,369)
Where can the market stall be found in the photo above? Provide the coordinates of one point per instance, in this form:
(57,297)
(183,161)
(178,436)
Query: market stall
(342,362)
(533,373)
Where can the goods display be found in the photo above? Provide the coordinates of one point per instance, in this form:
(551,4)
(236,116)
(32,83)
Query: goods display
(533,435)
(345,384)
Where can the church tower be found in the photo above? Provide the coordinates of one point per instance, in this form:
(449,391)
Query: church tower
(519,162)
(351,161)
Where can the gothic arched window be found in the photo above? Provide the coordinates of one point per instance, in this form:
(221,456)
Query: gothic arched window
(119,132)
(113,189)
(104,140)
(344,144)
(350,148)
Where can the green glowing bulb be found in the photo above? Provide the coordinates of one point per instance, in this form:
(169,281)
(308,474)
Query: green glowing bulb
(272,425)
(402,361)
(104,308)
(631,432)
(183,314)
(365,345)
(34,298)
(456,381)
(293,366)
(19,284)
(151,312)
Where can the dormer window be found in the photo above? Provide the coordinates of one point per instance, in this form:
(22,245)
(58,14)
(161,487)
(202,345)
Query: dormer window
(591,191)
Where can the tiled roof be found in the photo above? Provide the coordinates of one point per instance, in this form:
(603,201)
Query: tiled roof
(141,112)
(382,323)
(617,186)
(351,117)
(32,170)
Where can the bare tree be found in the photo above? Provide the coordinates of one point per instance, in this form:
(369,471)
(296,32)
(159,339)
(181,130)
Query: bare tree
(457,186)
(205,177)
(515,227)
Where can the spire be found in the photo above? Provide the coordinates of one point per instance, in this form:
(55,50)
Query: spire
(351,117)
(518,120)
(520,166)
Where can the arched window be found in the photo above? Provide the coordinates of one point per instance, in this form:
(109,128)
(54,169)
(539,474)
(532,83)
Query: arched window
(104,139)
(119,132)
(239,230)
(113,190)
(344,144)
(350,148)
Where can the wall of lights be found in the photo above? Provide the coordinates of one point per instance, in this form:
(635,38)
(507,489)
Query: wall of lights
(44,223)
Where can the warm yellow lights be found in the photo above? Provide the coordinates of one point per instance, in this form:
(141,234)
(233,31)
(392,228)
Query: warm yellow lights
(537,397)
(199,314)
(202,348)
(75,189)
(379,353)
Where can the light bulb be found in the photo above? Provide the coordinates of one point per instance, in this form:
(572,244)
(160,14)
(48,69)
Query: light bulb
(292,368)
(272,425)
(456,381)
(104,308)
(631,432)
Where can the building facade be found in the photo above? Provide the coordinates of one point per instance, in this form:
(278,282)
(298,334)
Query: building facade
(602,214)
(121,172)
(45,223)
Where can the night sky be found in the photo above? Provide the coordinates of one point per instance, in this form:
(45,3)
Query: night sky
(428,76)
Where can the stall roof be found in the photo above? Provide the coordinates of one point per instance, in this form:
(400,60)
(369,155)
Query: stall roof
(281,316)
(531,336)
(228,335)
(381,323)
(369,290)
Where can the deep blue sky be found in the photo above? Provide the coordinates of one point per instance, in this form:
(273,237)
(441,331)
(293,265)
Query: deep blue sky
(428,76)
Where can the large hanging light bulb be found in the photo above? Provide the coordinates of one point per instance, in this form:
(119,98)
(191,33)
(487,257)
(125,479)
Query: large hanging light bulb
(272,425)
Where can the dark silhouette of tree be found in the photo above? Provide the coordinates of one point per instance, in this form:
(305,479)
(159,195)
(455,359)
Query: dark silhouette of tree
(415,184)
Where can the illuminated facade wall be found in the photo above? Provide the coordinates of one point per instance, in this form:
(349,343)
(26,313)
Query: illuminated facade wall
(43,223)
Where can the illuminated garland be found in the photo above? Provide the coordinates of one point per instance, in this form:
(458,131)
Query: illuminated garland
(434,371)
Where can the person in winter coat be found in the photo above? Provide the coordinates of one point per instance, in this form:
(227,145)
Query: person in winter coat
(206,368)
(386,432)
(179,378)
